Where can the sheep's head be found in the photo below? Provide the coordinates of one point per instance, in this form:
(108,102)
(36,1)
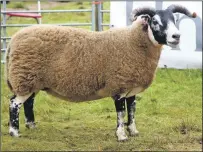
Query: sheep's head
(163,23)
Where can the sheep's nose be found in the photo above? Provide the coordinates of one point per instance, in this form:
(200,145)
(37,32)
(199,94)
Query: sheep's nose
(176,36)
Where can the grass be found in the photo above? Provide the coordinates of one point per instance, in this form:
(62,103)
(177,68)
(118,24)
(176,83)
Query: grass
(19,5)
(168,116)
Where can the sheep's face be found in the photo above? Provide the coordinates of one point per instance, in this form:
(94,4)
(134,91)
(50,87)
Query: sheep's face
(163,23)
(164,28)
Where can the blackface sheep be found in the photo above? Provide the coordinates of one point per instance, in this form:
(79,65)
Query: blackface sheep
(80,65)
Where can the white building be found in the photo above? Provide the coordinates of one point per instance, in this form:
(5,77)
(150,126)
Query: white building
(189,53)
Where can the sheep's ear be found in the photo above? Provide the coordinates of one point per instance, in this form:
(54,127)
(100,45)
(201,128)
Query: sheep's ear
(141,11)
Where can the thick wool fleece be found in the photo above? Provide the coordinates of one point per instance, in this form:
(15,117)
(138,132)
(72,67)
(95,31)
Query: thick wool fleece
(77,64)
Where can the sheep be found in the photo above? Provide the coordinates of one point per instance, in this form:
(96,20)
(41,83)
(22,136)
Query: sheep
(79,65)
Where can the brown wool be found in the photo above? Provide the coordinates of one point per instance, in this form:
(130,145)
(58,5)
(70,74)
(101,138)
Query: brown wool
(78,65)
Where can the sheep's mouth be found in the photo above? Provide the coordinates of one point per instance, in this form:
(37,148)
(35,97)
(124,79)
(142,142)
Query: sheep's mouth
(173,44)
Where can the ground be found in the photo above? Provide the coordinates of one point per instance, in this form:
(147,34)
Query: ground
(168,116)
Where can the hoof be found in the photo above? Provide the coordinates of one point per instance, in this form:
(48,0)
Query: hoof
(122,139)
(132,130)
(120,133)
(133,133)
(13,132)
(30,125)
(14,135)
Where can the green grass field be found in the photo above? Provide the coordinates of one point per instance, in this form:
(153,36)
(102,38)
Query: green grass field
(168,116)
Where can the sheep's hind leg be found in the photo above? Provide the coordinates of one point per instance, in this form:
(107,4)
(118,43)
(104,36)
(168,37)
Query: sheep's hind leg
(29,113)
(131,107)
(120,109)
(14,108)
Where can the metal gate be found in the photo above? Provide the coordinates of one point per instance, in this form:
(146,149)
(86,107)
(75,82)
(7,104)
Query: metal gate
(96,20)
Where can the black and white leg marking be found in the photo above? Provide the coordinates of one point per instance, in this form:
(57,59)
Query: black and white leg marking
(131,107)
(29,113)
(14,116)
(120,109)
(14,108)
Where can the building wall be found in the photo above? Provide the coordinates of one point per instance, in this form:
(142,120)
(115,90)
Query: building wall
(189,52)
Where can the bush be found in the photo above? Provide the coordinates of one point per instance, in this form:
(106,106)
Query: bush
(19,5)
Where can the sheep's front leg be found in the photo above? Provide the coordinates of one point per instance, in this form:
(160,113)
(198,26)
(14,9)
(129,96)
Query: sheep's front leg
(120,109)
(14,108)
(29,113)
(131,107)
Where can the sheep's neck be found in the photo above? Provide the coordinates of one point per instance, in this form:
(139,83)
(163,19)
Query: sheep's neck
(144,45)
(144,54)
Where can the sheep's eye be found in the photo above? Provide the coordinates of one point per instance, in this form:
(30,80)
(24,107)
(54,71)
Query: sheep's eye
(155,22)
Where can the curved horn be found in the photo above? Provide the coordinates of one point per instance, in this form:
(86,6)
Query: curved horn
(139,11)
(181,9)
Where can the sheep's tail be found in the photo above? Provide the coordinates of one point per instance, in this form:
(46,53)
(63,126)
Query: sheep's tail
(7,67)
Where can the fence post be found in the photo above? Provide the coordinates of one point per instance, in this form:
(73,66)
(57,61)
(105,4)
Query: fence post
(39,9)
(93,16)
(96,16)
(4,30)
(129,8)
(100,16)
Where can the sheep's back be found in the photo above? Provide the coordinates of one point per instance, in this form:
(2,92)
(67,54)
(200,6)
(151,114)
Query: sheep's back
(39,55)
